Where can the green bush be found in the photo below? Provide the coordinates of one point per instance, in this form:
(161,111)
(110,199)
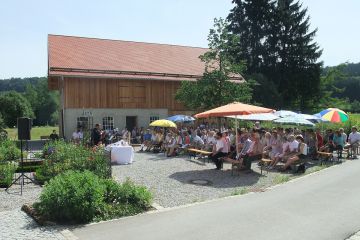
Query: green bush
(83,197)
(72,197)
(7,171)
(9,151)
(61,156)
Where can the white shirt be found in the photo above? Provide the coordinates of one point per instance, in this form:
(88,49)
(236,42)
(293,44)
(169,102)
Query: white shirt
(211,140)
(220,144)
(198,140)
(76,135)
(353,137)
(293,146)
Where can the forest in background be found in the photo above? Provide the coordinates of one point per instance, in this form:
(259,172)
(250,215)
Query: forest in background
(28,97)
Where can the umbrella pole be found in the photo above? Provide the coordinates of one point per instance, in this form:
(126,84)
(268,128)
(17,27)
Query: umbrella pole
(236,136)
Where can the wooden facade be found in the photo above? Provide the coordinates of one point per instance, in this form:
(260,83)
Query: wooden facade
(82,92)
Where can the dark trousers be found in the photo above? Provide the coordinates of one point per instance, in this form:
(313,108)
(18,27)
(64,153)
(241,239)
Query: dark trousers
(215,158)
(248,159)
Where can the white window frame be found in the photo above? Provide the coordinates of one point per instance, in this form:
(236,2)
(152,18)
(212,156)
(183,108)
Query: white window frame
(154,118)
(108,123)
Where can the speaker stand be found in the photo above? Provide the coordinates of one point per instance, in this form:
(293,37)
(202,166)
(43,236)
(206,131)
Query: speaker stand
(22,176)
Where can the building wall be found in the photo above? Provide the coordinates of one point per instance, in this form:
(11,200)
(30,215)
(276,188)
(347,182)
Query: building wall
(119,93)
(119,115)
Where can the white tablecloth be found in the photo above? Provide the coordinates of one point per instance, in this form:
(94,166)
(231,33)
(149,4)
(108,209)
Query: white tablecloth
(122,154)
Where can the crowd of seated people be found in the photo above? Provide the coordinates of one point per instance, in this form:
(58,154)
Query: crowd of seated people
(277,144)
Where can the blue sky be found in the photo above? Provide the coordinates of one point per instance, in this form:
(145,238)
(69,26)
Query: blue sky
(24,26)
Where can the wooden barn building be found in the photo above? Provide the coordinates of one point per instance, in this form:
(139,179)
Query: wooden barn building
(118,83)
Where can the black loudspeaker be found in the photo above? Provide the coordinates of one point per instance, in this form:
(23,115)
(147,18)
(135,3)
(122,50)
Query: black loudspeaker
(24,127)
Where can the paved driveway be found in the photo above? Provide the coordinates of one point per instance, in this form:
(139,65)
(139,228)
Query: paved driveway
(325,205)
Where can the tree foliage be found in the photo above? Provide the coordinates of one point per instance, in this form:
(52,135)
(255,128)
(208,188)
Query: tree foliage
(275,40)
(216,86)
(44,103)
(14,105)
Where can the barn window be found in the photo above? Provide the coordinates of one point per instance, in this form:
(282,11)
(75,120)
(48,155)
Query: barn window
(154,118)
(108,123)
(84,123)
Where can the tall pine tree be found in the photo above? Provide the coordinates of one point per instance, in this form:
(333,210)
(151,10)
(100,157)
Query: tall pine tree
(275,40)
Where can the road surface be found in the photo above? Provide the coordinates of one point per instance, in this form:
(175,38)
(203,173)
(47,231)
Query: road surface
(324,205)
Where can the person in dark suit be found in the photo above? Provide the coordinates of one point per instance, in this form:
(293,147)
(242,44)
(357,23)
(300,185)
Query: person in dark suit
(96,135)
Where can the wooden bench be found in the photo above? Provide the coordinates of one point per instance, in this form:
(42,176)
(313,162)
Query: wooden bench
(135,145)
(325,156)
(197,151)
(295,165)
(263,163)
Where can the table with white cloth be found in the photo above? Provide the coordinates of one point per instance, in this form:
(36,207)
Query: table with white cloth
(122,154)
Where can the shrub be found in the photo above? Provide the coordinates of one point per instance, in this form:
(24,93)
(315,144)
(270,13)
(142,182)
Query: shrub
(7,171)
(83,197)
(125,199)
(61,156)
(9,151)
(72,196)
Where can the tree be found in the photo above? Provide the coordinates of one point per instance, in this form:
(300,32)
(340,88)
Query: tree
(250,21)
(327,90)
(14,105)
(2,123)
(275,40)
(216,87)
(43,102)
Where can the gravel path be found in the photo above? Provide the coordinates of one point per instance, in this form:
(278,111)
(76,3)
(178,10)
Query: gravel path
(169,179)
(15,224)
(13,200)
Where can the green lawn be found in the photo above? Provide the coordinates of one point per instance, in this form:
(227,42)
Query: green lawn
(36,132)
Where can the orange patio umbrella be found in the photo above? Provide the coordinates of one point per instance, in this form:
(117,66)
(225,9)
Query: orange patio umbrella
(233,109)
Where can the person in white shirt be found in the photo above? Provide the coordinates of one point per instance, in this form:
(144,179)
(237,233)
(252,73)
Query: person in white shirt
(220,150)
(353,140)
(300,153)
(197,142)
(210,141)
(77,136)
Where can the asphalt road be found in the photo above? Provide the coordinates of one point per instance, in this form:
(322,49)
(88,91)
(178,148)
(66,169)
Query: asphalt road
(325,205)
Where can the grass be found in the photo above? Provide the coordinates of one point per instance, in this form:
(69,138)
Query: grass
(240,191)
(317,168)
(36,132)
(281,179)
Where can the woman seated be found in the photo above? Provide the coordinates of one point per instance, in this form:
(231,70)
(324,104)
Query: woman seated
(267,145)
(171,145)
(253,153)
(280,150)
(152,142)
(301,153)
(338,143)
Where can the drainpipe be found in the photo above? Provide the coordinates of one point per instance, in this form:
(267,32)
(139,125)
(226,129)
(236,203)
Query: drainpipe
(62,109)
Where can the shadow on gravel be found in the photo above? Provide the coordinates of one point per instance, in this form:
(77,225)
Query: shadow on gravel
(218,179)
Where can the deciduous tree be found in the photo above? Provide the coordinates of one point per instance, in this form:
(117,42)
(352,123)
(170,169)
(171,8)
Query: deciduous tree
(216,86)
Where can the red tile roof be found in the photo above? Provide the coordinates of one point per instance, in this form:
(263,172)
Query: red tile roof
(92,57)
(78,56)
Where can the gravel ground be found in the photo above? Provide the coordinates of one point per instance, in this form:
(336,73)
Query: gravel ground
(169,179)
(15,224)
(13,200)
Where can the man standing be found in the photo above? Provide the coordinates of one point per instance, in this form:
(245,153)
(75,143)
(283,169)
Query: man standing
(220,150)
(96,135)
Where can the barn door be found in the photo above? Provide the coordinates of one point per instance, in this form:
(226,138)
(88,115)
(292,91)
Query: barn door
(131,122)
